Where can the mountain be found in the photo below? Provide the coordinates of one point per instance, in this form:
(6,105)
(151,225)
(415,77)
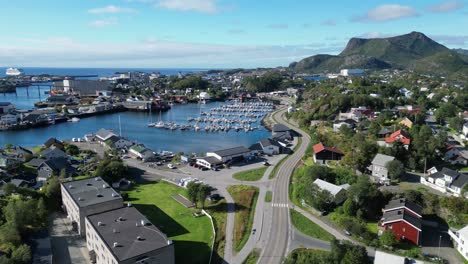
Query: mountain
(463,53)
(414,51)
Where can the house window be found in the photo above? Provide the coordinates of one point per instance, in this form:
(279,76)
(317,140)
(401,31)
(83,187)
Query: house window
(404,229)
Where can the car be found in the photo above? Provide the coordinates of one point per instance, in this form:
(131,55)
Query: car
(266,163)
(215,197)
(171,166)
(253,231)
(347,232)
(74,140)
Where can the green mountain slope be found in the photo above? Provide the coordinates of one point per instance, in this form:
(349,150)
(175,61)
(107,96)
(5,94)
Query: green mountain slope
(410,51)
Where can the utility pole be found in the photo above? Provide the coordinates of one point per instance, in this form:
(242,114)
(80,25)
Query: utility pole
(438,252)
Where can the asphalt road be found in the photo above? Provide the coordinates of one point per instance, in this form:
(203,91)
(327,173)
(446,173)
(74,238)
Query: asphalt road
(279,236)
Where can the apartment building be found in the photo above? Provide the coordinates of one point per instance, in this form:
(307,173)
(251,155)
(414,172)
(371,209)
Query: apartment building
(86,197)
(124,236)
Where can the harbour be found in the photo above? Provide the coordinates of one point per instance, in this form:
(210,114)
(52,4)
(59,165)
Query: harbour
(134,125)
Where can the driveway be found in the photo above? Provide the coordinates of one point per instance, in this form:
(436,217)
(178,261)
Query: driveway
(67,246)
(430,244)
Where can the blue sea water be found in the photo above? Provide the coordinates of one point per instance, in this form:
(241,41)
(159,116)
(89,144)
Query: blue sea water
(133,124)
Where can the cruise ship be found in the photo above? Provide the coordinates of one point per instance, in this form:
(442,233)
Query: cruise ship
(13,72)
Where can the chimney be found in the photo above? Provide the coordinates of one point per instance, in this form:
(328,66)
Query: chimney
(116,244)
(136,224)
(114,230)
(169,242)
(114,195)
(99,223)
(80,199)
(129,204)
(139,238)
(143,222)
(121,219)
(96,179)
(70,186)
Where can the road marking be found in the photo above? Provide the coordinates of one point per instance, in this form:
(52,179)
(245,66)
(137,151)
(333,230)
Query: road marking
(280,205)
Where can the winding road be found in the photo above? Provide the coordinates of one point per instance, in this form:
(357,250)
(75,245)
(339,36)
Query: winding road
(279,236)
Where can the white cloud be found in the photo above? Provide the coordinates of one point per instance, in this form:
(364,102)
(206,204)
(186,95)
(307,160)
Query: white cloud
(65,52)
(446,7)
(202,6)
(453,40)
(103,23)
(111,9)
(384,13)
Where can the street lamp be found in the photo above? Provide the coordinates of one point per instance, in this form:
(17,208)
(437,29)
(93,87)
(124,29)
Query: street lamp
(438,252)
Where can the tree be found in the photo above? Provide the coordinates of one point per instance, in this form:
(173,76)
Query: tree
(192,192)
(63,173)
(22,254)
(9,235)
(395,169)
(203,192)
(367,197)
(456,123)
(8,146)
(9,188)
(388,239)
(72,150)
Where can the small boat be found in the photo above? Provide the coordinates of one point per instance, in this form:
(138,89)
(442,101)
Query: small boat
(74,119)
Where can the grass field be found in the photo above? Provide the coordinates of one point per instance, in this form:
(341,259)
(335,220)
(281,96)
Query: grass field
(245,198)
(250,175)
(372,226)
(304,225)
(268,196)
(218,212)
(192,236)
(252,258)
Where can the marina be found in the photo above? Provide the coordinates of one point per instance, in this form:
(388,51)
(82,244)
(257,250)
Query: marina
(135,127)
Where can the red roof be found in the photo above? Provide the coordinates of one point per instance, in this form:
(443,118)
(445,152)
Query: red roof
(320,147)
(400,135)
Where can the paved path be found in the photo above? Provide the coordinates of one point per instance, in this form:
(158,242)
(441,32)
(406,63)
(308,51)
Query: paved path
(67,246)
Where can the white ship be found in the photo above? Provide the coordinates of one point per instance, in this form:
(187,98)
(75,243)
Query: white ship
(13,72)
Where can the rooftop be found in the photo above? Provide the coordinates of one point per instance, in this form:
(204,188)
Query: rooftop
(397,203)
(401,214)
(90,191)
(280,128)
(381,159)
(127,233)
(232,151)
(320,147)
(332,188)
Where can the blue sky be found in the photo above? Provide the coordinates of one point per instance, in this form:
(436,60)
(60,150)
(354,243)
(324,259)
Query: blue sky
(209,33)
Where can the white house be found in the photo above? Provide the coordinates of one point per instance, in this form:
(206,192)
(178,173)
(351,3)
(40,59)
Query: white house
(140,152)
(457,155)
(6,107)
(231,154)
(9,118)
(337,191)
(204,96)
(460,240)
(446,181)
(378,167)
(465,129)
(270,146)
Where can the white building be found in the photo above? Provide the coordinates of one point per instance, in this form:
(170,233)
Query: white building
(352,72)
(387,258)
(460,240)
(204,96)
(446,181)
(465,129)
(6,107)
(378,167)
(9,119)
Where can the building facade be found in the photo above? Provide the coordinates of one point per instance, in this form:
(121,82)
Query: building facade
(460,240)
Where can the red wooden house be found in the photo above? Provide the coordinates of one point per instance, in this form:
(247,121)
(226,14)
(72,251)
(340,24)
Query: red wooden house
(399,135)
(404,219)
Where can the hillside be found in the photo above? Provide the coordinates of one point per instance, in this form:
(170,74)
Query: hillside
(413,51)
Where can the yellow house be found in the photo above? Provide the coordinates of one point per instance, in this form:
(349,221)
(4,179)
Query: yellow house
(406,122)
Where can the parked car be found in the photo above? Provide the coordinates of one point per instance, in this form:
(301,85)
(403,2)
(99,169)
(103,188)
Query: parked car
(171,166)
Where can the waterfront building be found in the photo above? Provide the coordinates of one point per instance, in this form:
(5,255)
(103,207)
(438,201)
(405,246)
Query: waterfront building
(231,154)
(124,235)
(141,152)
(84,87)
(6,107)
(270,146)
(86,197)
(209,162)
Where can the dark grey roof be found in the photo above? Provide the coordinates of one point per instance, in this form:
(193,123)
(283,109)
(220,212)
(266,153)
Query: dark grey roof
(58,164)
(91,191)
(211,160)
(402,215)
(460,181)
(52,151)
(89,87)
(280,128)
(347,121)
(52,141)
(256,146)
(384,131)
(35,162)
(396,203)
(127,230)
(449,172)
(232,151)
(282,135)
(19,183)
(268,142)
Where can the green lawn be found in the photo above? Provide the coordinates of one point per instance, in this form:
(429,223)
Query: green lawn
(268,196)
(218,211)
(81,177)
(304,225)
(372,226)
(245,198)
(192,236)
(250,175)
(252,258)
